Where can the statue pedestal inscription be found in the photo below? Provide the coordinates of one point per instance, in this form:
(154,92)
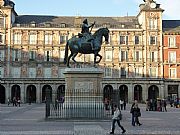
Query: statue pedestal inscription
(83,94)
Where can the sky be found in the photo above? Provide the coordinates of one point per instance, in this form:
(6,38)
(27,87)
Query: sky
(92,7)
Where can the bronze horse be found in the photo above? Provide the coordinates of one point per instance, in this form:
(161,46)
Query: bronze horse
(78,45)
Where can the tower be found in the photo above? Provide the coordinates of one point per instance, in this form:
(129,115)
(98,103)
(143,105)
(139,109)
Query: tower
(150,19)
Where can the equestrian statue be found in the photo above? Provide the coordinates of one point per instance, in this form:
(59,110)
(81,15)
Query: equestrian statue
(86,43)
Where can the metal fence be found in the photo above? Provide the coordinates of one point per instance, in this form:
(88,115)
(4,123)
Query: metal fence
(79,105)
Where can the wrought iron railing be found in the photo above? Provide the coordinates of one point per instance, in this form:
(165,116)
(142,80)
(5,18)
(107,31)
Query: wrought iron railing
(80,105)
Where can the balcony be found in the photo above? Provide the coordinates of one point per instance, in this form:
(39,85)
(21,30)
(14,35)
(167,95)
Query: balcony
(37,42)
(177,61)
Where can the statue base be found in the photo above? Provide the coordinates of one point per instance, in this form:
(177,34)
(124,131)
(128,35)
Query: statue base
(83,94)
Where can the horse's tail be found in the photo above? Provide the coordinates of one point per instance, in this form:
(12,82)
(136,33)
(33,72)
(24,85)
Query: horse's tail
(66,53)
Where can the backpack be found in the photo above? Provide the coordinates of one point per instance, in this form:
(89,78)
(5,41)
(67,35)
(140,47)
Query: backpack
(120,115)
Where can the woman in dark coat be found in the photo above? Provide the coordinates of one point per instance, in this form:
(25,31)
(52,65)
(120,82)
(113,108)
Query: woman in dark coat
(136,114)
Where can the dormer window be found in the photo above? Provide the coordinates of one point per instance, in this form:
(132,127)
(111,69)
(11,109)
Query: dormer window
(62,25)
(47,24)
(33,24)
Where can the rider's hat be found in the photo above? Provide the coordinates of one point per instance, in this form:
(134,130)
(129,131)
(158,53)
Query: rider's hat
(85,21)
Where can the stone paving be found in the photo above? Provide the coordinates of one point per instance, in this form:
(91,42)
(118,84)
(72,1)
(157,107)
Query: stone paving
(30,120)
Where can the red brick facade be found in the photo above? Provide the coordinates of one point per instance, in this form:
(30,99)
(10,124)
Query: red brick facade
(168,63)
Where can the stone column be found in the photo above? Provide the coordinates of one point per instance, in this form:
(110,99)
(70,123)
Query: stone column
(7,92)
(179,91)
(54,93)
(130,93)
(144,92)
(38,93)
(165,90)
(161,94)
(22,93)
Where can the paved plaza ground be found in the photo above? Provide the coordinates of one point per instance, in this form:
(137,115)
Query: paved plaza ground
(30,120)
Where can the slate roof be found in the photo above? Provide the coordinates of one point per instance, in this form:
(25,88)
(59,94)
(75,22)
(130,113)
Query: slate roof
(54,21)
(171,25)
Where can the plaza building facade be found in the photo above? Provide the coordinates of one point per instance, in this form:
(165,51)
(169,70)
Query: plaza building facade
(171,44)
(32,53)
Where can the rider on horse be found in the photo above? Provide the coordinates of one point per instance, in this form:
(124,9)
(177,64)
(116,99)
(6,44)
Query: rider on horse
(87,34)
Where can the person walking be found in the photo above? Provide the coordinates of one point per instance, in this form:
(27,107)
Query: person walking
(136,113)
(19,102)
(8,101)
(115,119)
(121,102)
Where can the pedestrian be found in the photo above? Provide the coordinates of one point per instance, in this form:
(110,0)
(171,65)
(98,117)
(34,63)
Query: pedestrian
(147,105)
(136,114)
(8,101)
(14,101)
(19,102)
(121,104)
(106,104)
(164,104)
(116,118)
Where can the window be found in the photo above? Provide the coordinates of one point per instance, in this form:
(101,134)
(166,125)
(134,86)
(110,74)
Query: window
(47,56)
(62,25)
(16,55)
(138,71)
(153,56)
(32,72)
(153,40)
(108,56)
(1,55)
(172,57)
(136,40)
(172,73)
(153,23)
(63,39)
(123,72)
(1,39)
(123,40)
(32,39)
(153,71)
(17,38)
(48,39)
(171,41)
(123,56)
(137,58)
(32,55)
(1,22)
(62,54)
(108,72)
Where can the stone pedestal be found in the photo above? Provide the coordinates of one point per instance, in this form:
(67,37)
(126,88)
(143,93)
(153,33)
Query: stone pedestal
(83,94)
